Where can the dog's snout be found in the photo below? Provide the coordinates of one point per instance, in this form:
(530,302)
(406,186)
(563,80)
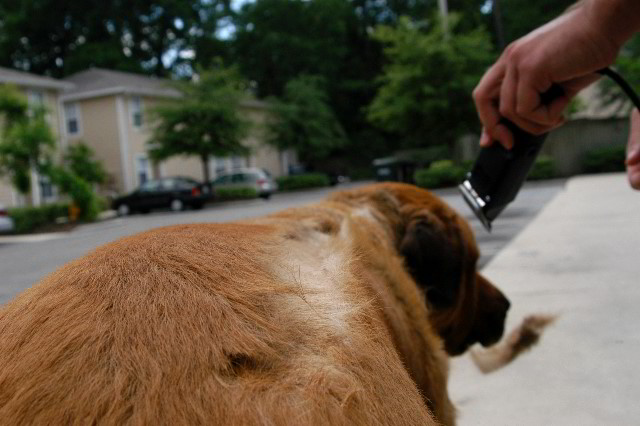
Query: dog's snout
(506,304)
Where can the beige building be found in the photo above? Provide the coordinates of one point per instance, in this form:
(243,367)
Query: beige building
(108,111)
(39,91)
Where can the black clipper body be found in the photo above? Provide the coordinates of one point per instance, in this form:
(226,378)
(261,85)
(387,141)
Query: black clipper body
(498,174)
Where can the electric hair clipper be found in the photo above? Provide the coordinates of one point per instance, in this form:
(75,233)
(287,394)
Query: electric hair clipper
(498,173)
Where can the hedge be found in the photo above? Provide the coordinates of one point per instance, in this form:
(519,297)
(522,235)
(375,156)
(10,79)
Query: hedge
(439,174)
(224,194)
(604,160)
(309,180)
(27,219)
(543,168)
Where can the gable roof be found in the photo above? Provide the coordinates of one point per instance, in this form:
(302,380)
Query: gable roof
(96,82)
(25,79)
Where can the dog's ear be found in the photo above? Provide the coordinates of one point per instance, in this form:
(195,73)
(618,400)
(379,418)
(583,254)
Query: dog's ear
(433,259)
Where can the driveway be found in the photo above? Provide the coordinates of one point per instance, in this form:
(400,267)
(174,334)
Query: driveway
(25,262)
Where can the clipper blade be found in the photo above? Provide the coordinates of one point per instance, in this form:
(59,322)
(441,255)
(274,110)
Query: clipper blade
(475,202)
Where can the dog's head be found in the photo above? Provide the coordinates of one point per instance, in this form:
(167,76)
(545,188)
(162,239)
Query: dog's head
(440,253)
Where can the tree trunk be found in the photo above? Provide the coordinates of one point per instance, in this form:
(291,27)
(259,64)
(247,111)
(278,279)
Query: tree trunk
(205,168)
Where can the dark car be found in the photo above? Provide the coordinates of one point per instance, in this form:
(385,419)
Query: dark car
(175,193)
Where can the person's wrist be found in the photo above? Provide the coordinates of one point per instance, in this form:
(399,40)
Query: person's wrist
(615,20)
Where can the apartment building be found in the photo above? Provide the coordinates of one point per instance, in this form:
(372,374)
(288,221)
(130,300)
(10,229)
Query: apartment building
(109,111)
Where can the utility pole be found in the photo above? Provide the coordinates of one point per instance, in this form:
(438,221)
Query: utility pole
(444,11)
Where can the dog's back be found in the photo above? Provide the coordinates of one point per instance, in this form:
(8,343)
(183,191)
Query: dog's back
(227,324)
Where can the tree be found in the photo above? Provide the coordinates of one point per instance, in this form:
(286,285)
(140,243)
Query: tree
(79,158)
(57,38)
(304,121)
(519,17)
(26,141)
(425,90)
(628,64)
(204,122)
(278,40)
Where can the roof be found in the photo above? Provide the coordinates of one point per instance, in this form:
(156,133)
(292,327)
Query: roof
(22,78)
(96,82)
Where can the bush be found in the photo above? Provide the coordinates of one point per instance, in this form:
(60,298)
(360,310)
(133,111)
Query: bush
(27,219)
(543,168)
(80,192)
(439,174)
(604,160)
(309,180)
(224,194)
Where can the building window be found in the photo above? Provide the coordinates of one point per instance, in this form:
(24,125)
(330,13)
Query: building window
(237,162)
(221,165)
(143,169)
(46,188)
(36,98)
(72,119)
(136,111)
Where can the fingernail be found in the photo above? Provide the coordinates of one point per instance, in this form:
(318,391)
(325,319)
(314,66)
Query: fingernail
(485,139)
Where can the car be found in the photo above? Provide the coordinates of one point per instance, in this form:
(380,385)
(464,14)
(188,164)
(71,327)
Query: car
(6,223)
(253,177)
(175,193)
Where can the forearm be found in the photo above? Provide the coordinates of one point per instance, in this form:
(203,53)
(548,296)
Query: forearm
(619,20)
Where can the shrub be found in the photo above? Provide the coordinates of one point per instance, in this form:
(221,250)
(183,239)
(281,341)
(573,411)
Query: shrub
(235,193)
(80,192)
(309,180)
(604,160)
(543,168)
(27,219)
(439,174)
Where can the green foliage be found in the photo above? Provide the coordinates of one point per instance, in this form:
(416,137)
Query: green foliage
(28,219)
(80,160)
(277,40)
(309,180)
(13,105)
(224,194)
(519,17)
(604,160)
(204,122)
(425,93)
(26,141)
(543,168)
(54,37)
(304,121)
(78,189)
(628,64)
(439,174)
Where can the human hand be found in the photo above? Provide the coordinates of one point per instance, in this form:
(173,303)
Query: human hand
(633,151)
(566,51)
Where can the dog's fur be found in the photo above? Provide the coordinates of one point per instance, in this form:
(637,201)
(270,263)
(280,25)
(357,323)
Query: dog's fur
(315,315)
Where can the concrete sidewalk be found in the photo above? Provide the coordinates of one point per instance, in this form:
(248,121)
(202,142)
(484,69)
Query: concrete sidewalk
(580,259)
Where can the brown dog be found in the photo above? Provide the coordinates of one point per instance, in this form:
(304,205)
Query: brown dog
(314,315)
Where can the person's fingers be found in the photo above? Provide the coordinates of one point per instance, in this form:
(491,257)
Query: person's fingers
(485,139)
(633,151)
(486,95)
(503,135)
